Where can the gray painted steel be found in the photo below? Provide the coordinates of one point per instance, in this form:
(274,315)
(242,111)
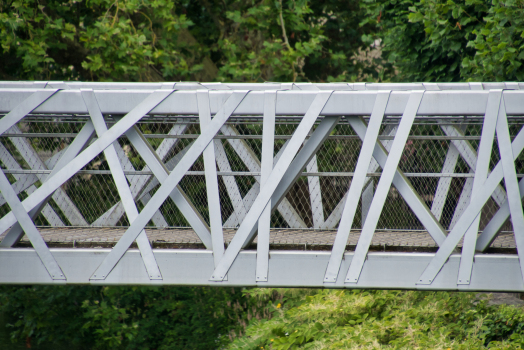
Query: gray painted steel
(494,272)
(224,148)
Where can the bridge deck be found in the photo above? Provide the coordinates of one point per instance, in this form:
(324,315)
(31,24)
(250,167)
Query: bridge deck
(286,238)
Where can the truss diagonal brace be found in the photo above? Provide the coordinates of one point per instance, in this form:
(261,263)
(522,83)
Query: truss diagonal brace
(24,108)
(251,161)
(489,233)
(357,183)
(294,170)
(469,154)
(248,226)
(384,184)
(444,183)
(268,146)
(510,179)
(53,182)
(25,183)
(403,186)
(213,196)
(126,197)
(137,183)
(336,214)
(467,218)
(493,112)
(168,186)
(61,199)
(178,196)
(28,226)
(81,140)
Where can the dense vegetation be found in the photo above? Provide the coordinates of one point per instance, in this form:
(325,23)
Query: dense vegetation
(153,40)
(240,40)
(432,40)
(225,318)
(130,317)
(330,319)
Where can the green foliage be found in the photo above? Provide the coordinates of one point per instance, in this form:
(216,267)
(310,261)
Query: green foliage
(129,317)
(328,319)
(432,40)
(499,44)
(426,40)
(262,318)
(154,40)
(38,313)
(284,40)
(97,39)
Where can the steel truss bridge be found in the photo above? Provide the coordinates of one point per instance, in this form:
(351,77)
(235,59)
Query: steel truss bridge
(405,186)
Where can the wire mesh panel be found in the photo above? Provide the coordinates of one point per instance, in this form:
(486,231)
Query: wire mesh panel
(94,194)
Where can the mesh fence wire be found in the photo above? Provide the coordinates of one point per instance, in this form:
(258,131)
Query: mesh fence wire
(315,200)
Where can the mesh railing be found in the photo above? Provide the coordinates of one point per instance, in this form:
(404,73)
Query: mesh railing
(315,200)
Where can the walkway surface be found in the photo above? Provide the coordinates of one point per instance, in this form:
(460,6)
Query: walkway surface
(165,237)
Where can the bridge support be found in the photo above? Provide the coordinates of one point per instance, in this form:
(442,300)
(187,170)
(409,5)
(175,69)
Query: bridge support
(263,184)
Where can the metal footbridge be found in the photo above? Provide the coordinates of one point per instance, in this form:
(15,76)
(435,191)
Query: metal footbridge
(345,185)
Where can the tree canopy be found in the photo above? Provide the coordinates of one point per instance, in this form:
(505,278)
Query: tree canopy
(154,40)
(433,40)
(247,41)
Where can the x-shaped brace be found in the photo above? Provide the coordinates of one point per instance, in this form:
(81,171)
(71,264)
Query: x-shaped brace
(504,170)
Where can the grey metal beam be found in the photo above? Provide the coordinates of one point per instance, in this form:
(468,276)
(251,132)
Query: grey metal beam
(246,230)
(469,215)
(25,106)
(178,196)
(463,200)
(510,179)
(261,86)
(25,183)
(289,103)
(441,194)
(357,184)
(268,149)
(384,184)
(44,255)
(229,182)
(333,219)
(79,143)
(490,231)
(404,187)
(210,166)
(60,197)
(301,160)
(111,216)
(249,158)
(469,155)
(62,175)
(121,184)
(383,270)
(481,173)
(171,182)
(285,208)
